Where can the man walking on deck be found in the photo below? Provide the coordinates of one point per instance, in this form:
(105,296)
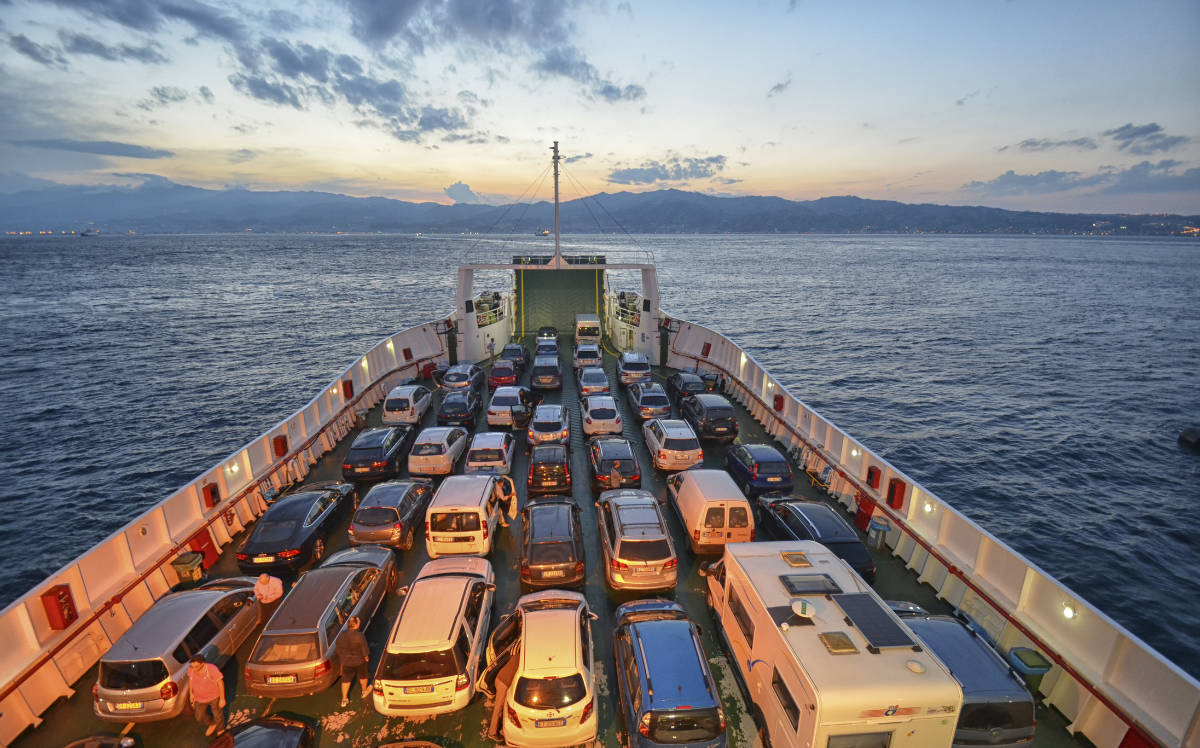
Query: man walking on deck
(353,654)
(269,591)
(206,685)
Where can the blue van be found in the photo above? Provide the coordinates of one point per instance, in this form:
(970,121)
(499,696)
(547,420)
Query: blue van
(667,692)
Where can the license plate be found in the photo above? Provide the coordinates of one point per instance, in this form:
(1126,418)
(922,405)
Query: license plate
(128,706)
(362,470)
(553,574)
(644,570)
(418,689)
(549,722)
(273,679)
(720,429)
(263,559)
(548,483)
(776,479)
(444,539)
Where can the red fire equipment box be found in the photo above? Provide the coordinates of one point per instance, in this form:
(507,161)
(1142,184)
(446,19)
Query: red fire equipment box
(60,606)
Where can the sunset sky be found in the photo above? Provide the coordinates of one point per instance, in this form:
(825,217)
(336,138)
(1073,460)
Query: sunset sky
(1074,106)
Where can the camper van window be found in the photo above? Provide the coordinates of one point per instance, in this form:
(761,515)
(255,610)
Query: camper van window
(785,700)
(740,614)
(861,740)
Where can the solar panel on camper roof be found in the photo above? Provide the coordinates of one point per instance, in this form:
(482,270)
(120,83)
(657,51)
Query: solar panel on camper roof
(873,620)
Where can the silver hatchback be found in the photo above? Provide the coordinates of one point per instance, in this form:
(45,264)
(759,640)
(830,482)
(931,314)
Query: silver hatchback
(144,676)
(638,553)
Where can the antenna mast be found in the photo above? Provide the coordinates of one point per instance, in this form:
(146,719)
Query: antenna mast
(557,251)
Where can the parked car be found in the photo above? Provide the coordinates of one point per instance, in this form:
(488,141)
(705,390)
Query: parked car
(549,469)
(758,468)
(407,403)
(296,653)
(275,731)
(551,701)
(436,450)
(684,384)
(504,374)
(143,677)
(793,519)
(592,380)
(550,424)
(504,399)
(587,354)
(490,452)
(459,408)
(294,530)
(600,415)
(391,513)
(546,348)
(711,416)
(637,548)
(463,377)
(672,444)
(436,647)
(546,332)
(547,373)
(377,453)
(603,451)
(633,367)
(551,545)
(655,643)
(649,400)
(516,353)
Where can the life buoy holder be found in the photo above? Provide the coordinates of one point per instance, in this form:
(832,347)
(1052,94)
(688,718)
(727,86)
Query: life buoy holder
(229,516)
(778,403)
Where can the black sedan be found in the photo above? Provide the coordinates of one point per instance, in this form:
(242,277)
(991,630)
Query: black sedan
(791,519)
(459,408)
(378,453)
(516,353)
(275,731)
(292,532)
(684,384)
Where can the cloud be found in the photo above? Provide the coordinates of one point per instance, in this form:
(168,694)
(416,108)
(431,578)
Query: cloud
(461,193)
(1042,183)
(206,94)
(626,10)
(241,156)
(299,60)
(568,62)
(902,141)
(1153,178)
(673,169)
(161,96)
(577,157)
(151,15)
(1045,144)
(780,87)
(968,97)
(1142,178)
(41,53)
(82,44)
(99,147)
(15,181)
(1144,139)
(264,90)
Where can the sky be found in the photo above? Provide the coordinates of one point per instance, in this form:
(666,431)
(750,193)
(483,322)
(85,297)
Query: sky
(1022,104)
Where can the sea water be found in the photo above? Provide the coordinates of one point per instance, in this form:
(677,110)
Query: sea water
(1038,384)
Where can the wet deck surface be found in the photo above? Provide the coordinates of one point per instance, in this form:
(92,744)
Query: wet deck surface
(359,725)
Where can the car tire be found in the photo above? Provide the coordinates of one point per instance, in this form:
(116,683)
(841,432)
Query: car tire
(318,549)
(407,544)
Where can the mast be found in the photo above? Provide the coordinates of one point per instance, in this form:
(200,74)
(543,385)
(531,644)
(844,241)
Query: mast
(557,251)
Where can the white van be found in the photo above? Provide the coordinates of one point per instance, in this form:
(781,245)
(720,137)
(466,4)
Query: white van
(826,663)
(462,517)
(712,509)
(587,328)
(406,404)
(435,649)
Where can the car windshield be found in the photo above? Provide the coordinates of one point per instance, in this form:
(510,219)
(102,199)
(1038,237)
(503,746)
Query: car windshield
(454,407)
(627,466)
(509,400)
(454,522)
(636,366)
(682,445)
(998,715)
(685,726)
(594,377)
(396,403)
(545,554)
(454,377)
(273,532)
(773,468)
(422,450)
(655,401)
(363,454)
(376,515)
(281,648)
(645,550)
(604,414)
(442,663)
(547,425)
(485,455)
(129,675)
(720,411)
(545,371)
(549,693)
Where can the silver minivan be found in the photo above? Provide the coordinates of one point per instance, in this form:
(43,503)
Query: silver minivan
(547,373)
(144,676)
(638,552)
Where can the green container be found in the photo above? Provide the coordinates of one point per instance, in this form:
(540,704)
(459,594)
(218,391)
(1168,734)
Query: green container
(1031,665)
(189,566)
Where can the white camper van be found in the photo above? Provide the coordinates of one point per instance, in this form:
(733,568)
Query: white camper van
(824,661)
(587,328)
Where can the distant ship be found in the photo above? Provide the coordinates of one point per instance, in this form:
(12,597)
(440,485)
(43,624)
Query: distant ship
(90,232)
(542,232)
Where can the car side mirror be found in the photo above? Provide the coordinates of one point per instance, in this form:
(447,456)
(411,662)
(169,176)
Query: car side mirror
(593,616)
(596,504)
(490,587)
(402,591)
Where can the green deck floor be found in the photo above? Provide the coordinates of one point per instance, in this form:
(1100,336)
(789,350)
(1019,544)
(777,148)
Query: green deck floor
(359,725)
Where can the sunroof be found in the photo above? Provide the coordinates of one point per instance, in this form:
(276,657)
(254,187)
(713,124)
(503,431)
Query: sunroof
(809,584)
(865,613)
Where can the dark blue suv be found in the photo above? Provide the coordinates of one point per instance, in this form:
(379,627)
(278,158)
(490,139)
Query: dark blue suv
(667,693)
(757,468)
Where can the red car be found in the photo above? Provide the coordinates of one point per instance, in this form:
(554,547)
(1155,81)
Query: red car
(504,374)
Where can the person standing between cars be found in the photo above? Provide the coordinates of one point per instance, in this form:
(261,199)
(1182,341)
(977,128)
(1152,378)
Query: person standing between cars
(508,500)
(269,591)
(353,653)
(491,346)
(500,700)
(614,475)
(206,685)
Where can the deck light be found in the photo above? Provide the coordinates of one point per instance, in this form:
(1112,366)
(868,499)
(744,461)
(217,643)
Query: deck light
(928,507)
(743,359)
(1068,611)
(854,452)
(364,364)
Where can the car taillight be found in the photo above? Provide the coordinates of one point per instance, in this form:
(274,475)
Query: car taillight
(644,725)
(696,535)
(243,556)
(578,567)
(289,553)
(662,455)
(618,565)
(96,691)
(754,471)
(347,466)
(485,529)
(721,716)
(323,667)
(461,682)
(396,528)
(618,420)
(246,673)
(525,573)
(379,464)
(377,690)
(169,690)
(587,420)
(566,434)
(751,534)
(671,563)
(636,476)
(587,710)
(512,716)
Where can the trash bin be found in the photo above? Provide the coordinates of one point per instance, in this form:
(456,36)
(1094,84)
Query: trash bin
(1031,665)
(877,530)
(190,567)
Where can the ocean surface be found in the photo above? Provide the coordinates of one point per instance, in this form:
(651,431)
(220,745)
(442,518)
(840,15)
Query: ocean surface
(1036,383)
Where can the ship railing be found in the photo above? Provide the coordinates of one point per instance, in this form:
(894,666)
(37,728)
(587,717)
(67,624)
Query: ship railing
(103,592)
(535,253)
(1114,688)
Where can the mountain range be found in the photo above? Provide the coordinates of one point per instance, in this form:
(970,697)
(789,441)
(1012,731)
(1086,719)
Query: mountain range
(161,206)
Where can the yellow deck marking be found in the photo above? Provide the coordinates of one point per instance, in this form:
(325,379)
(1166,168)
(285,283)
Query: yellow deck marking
(267,711)
(125,731)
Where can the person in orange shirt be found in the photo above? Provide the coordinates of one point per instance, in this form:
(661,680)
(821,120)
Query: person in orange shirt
(207,688)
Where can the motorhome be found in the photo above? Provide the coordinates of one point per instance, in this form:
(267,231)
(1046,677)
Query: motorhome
(587,328)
